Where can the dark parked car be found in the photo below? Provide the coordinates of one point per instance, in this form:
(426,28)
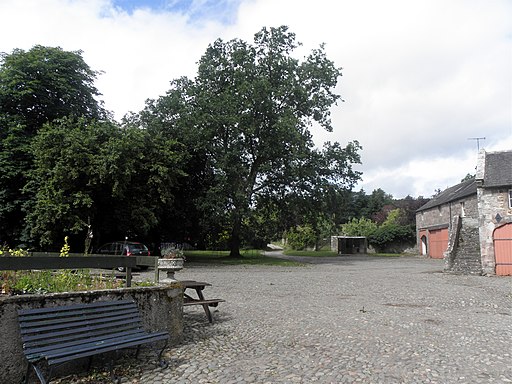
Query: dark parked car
(124,248)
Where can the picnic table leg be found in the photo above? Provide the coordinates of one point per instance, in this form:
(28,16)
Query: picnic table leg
(206,307)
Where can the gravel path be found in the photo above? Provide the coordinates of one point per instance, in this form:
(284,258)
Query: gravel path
(344,320)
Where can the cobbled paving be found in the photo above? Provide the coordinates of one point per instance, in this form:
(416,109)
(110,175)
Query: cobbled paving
(344,320)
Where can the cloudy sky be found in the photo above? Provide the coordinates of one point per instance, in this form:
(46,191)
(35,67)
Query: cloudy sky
(420,77)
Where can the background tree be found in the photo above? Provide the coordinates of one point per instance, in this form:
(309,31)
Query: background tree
(392,236)
(255,105)
(36,87)
(116,179)
(359,227)
(65,180)
(173,117)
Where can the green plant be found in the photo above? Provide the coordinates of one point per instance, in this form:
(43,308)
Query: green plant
(359,227)
(40,282)
(16,252)
(389,233)
(64,251)
(172,251)
(301,237)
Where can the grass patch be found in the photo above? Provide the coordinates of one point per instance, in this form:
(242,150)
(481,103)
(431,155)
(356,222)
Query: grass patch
(249,257)
(385,254)
(321,253)
(327,253)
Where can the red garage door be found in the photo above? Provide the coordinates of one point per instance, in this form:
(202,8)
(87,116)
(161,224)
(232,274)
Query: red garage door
(503,250)
(438,242)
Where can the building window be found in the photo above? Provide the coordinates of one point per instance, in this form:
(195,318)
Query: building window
(510,198)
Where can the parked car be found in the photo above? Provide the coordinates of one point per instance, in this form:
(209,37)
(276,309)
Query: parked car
(124,248)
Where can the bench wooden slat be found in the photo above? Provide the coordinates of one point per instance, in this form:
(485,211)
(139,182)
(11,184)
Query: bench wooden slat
(210,302)
(106,343)
(51,346)
(113,347)
(69,316)
(78,323)
(35,340)
(68,308)
(41,334)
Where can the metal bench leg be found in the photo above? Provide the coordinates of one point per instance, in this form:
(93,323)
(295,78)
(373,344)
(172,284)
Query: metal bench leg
(113,377)
(27,375)
(40,375)
(161,362)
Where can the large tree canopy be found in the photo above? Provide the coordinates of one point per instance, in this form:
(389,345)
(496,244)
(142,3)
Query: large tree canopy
(46,83)
(226,155)
(36,87)
(251,107)
(116,180)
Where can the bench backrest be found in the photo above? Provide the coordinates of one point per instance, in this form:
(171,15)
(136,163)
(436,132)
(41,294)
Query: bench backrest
(43,328)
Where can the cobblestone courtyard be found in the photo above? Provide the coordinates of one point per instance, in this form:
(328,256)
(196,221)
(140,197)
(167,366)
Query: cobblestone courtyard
(345,320)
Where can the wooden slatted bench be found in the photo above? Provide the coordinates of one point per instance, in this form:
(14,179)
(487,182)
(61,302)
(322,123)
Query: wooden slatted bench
(54,336)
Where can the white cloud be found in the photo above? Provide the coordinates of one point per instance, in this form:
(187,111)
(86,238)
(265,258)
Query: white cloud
(420,77)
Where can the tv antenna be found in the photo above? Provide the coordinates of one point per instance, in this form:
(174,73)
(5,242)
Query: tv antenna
(477,139)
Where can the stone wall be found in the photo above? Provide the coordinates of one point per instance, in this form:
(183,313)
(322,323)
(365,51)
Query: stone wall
(161,308)
(463,253)
(493,210)
(443,215)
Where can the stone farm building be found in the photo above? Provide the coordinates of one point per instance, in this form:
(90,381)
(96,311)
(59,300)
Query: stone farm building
(470,224)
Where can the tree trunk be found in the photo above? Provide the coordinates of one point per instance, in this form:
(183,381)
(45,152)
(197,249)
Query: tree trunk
(234,243)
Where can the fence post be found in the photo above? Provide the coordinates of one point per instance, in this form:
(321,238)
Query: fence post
(157,272)
(128,277)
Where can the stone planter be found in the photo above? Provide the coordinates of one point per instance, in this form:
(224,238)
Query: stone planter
(170,266)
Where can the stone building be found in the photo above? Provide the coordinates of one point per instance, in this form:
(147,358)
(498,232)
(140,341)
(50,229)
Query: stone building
(349,244)
(470,224)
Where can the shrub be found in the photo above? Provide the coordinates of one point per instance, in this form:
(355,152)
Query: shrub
(359,227)
(391,234)
(301,237)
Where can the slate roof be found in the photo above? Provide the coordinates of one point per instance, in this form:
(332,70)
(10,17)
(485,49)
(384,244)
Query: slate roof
(498,169)
(457,192)
(497,173)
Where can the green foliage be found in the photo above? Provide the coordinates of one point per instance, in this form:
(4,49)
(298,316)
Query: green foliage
(39,282)
(386,235)
(393,217)
(64,251)
(359,227)
(390,233)
(17,252)
(468,176)
(254,106)
(97,173)
(311,253)
(301,237)
(36,87)
(46,83)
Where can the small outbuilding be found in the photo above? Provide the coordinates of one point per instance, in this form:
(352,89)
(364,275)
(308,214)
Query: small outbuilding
(349,244)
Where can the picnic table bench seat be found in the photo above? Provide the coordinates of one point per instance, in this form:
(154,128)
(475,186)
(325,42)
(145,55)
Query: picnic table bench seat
(209,302)
(53,336)
(199,286)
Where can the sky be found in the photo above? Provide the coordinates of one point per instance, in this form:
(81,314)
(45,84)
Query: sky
(421,78)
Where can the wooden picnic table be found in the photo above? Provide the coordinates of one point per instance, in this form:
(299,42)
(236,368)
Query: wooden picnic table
(198,287)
